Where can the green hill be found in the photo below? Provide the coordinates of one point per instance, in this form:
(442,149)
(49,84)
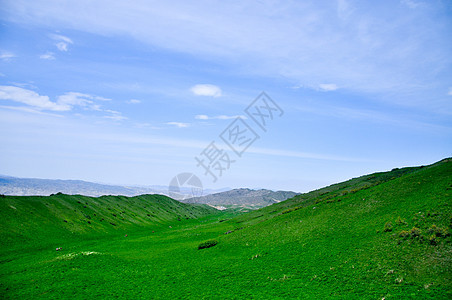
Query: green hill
(384,235)
(41,217)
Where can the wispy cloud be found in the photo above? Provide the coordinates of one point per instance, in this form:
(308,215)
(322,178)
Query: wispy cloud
(308,42)
(220,117)
(30,110)
(178,124)
(7,56)
(206,90)
(307,155)
(133,101)
(373,116)
(62,41)
(47,55)
(65,102)
(450,91)
(115,115)
(30,98)
(72,99)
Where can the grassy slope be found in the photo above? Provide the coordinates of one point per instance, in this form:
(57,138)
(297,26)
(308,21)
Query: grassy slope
(40,218)
(329,243)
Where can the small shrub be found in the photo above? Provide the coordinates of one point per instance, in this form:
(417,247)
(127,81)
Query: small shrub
(404,234)
(207,244)
(388,227)
(399,280)
(432,240)
(400,221)
(438,231)
(415,232)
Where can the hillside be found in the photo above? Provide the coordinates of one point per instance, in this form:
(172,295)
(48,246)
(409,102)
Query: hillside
(243,198)
(379,236)
(29,217)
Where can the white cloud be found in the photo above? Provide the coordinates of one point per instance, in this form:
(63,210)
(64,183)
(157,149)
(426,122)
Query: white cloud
(65,102)
(178,124)
(220,117)
(59,37)
(327,87)
(202,117)
(30,110)
(75,99)
(25,85)
(63,41)
(30,98)
(7,56)
(115,115)
(47,55)
(206,90)
(101,98)
(380,49)
(62,46)
(133,101)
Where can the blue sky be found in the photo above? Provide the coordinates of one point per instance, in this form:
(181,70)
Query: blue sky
(130,92)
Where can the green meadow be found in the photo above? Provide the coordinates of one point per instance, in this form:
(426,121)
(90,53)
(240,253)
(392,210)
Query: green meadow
(379,236)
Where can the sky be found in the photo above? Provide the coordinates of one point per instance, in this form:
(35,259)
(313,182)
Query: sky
(137,92)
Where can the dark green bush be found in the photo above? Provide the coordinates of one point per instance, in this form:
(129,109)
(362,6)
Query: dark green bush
(207,244)
(404,234)
(415,232)
(400,221)
(438,231)
(388,227)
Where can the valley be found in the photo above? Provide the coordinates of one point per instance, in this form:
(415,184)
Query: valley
(383,235)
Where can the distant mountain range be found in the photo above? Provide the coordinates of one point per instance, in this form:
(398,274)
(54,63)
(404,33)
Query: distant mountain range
(45,187)
(243,198)
(249,198)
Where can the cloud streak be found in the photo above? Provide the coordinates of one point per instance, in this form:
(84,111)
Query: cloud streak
(178,124)
(7,56)
(47,56)
(220,117)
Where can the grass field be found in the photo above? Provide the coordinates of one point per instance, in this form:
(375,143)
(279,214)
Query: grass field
(384,235)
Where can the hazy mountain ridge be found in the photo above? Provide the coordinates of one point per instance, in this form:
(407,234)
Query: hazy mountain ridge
(14,186)
(45,187)
(244,197)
